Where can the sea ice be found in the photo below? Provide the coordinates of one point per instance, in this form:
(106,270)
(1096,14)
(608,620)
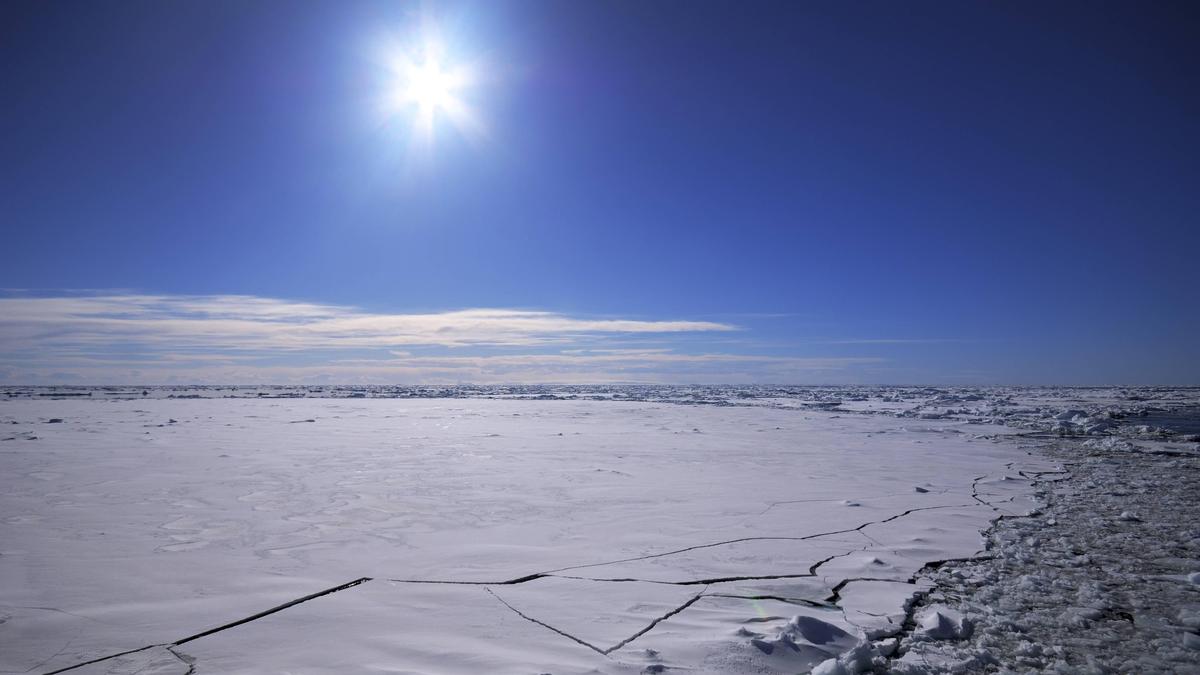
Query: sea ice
(513,529)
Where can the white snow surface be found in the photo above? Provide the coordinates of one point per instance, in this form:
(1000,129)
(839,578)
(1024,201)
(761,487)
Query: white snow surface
(567,531)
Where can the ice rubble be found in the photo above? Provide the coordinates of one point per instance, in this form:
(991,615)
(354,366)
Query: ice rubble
(1083,587)
(640,533)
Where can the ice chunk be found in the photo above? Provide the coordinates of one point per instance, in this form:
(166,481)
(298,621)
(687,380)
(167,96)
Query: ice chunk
(818,632)
(861,658)
(942,623)
(829,667)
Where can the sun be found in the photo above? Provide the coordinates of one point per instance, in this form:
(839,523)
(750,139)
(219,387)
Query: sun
(427,87)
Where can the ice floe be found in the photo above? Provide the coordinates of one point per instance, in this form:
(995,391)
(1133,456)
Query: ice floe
(561,529)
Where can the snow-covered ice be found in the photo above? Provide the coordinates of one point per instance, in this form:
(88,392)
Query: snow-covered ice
(520,530)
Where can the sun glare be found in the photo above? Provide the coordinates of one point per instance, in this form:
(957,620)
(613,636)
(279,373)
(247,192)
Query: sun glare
(427,87)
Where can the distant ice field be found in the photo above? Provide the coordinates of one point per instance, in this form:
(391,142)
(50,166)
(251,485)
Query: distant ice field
(494,534)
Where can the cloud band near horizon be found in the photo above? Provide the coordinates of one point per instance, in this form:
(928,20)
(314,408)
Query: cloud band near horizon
(129,338)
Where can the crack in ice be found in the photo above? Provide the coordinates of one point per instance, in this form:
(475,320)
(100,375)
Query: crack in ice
(605,652)
(545,625)
(169,646)
(833,599)
(657,621)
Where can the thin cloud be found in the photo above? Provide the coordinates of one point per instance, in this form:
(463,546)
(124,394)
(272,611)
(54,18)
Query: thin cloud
(247,322)
(141,338)
(525,369)
(892,341)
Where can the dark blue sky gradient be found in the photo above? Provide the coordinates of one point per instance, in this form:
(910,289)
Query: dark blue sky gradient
(1016,183)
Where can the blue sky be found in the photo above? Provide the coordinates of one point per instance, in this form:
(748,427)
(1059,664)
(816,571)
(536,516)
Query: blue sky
(927,192)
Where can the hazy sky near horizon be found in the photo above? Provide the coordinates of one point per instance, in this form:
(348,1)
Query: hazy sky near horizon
(792,192)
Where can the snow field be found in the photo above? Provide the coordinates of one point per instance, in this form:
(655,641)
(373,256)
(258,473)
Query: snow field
(497,535)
